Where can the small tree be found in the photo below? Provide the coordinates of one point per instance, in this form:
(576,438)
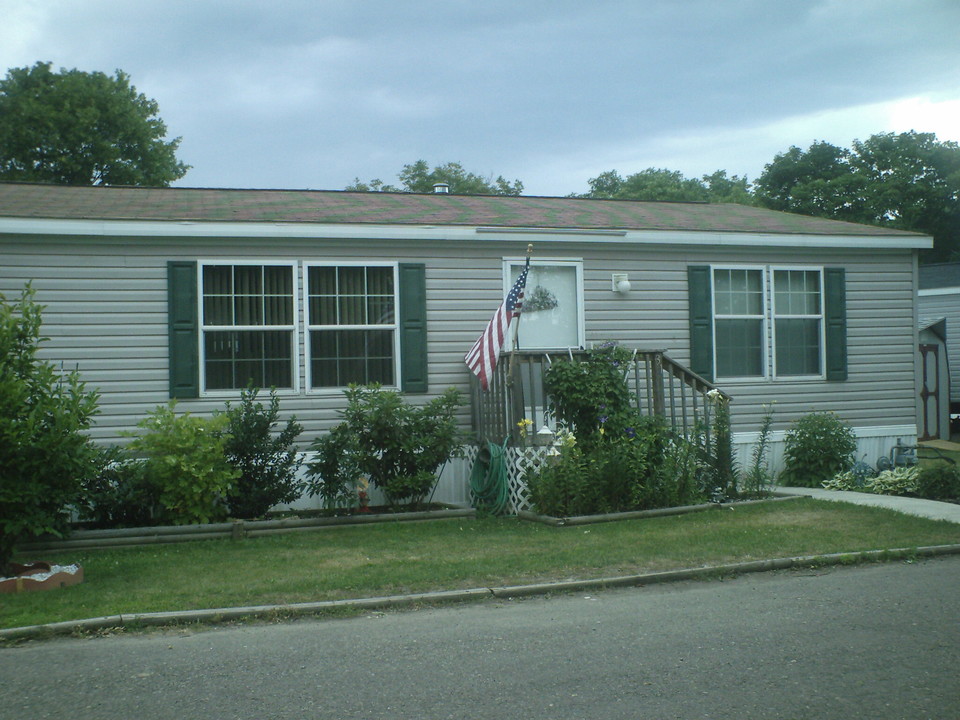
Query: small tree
(186,465)
(817,447)
(398,447)
(267,463)
(44,454)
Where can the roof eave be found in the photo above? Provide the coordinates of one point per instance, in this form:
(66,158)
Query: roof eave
(266,230)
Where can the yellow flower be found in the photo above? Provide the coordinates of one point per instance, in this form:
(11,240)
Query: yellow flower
(524,425)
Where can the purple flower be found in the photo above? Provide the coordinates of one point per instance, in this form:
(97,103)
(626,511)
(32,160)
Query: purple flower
(603,419)
(630,432)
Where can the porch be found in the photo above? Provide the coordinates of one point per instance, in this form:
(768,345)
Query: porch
(658,385)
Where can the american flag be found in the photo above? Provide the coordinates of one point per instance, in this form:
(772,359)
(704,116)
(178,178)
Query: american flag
(483,356)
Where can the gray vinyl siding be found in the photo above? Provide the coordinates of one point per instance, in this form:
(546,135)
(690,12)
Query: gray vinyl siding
(107,315)
(946,304)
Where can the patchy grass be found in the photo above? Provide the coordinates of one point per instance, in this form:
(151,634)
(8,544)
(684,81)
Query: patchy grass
(396,558)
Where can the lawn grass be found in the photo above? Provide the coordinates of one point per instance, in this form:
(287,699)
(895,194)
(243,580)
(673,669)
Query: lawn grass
(396,558)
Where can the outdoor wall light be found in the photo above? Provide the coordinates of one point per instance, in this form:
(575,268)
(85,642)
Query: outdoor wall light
(620,283)
(544,436)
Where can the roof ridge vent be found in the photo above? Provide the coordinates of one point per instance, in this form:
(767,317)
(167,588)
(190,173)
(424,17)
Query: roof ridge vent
(441,188)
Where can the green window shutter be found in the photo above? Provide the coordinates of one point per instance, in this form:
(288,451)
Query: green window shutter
(835,315)
(699,288)
(182,328)
(413,328)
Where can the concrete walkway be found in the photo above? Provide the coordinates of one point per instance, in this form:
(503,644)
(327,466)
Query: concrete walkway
(911,506)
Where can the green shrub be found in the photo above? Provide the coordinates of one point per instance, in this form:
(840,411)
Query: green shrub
(119,494)
(267,463)
(185,461)
(644,468)
(818,446)
(939,482)
(590,395)
(45,455)
(397,447)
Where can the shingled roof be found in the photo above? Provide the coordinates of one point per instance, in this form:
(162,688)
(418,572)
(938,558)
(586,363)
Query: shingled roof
(34,201)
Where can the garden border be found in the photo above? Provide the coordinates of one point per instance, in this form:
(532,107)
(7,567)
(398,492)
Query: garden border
(637,514)
(235,530)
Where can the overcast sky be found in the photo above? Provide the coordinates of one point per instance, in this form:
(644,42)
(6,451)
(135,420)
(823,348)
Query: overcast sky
(315,93)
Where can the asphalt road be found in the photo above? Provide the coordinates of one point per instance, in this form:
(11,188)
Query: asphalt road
(877,642)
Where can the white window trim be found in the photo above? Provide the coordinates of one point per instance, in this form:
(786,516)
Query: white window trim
(775,316)
(308,326)
(577,264)
(768,325)
(295,327)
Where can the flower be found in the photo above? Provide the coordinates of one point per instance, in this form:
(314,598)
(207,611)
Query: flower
(524,426)
(630,433)
(715,396)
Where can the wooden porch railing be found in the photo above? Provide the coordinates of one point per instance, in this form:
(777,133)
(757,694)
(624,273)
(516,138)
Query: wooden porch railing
(659,385)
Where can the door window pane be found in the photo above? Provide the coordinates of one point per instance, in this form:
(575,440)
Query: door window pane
(551,307)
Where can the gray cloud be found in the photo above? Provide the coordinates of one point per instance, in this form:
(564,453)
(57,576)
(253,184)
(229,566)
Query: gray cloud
(313,94)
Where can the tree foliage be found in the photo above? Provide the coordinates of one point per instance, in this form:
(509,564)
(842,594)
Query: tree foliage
(908,181)
(77,128)
(419,178)
(662,185)
(45,456)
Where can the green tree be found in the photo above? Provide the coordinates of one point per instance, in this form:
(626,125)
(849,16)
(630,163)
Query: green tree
(908,181)
(79,128)
(45,456)
(419,178)
(660,184)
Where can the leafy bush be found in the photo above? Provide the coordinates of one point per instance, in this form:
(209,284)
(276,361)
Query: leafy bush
(267,464)
(44,454)
(396,446)
(185,461)
(898,481)
(939,482)
(818,446)
(644,468)
(622,460)
(119,494)
(590,395)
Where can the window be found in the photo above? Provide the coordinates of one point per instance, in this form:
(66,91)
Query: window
(351,325)
(233,322)
(248,326)
(552,316)
(738,322)
(768,322)
(797,322)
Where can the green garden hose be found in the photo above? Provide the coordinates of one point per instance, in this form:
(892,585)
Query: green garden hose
(489,483)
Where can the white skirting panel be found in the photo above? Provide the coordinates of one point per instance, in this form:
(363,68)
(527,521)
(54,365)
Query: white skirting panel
(872,444)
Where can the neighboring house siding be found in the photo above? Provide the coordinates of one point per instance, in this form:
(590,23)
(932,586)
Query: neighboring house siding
(945,302)
(107,314)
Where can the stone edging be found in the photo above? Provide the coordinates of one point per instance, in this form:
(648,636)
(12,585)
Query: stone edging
(215,615)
